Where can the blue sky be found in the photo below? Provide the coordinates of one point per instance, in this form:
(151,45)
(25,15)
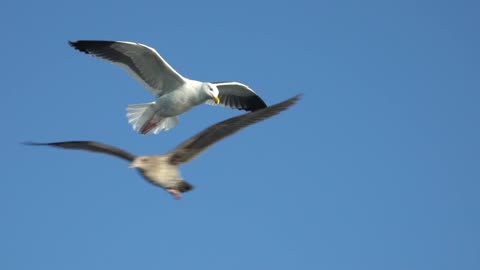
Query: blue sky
(376,168)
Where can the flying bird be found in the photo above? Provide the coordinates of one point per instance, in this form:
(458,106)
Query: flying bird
(162,170)
(175,93)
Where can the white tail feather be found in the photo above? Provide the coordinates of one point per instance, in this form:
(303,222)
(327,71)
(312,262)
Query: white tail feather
(140,114)
(165,124)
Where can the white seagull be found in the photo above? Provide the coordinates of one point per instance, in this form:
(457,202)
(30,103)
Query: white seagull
(175,93)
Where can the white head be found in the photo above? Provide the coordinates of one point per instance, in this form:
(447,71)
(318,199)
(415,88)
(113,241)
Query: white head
(212,91)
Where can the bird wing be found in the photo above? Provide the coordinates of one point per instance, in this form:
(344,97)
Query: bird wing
(91,146)
(200,142)
(142,62)
(238,96)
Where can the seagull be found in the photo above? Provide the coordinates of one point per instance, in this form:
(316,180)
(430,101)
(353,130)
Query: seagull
(162,170)
(175,93)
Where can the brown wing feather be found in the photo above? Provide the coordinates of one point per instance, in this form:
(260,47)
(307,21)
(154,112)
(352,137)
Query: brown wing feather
(91,146)
(200,142)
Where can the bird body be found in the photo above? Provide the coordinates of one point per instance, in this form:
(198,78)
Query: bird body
(183,99)
(175,93)
(162,170)
(162,114)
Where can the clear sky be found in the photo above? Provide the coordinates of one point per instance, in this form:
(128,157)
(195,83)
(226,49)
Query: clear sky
(377,167)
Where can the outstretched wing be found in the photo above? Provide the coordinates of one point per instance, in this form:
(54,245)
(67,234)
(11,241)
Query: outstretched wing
(142,62)
(200,142)
(238,96)
(91,146)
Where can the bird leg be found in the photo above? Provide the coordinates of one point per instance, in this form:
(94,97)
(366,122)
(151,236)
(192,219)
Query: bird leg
(175,193)
(151,124)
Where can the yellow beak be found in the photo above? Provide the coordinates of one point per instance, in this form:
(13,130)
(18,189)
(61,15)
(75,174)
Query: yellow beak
(216,99)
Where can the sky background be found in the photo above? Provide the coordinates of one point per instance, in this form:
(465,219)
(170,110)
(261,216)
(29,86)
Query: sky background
(377,167)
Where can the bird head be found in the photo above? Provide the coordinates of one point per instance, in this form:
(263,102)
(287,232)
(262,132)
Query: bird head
(212,91)
(140,162)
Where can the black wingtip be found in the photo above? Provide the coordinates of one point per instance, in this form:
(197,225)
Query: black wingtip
(249,104)
(89,46)
(255,103)
(73,44)
(77,45)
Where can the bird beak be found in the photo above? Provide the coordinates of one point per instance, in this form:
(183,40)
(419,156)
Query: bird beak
(216,99)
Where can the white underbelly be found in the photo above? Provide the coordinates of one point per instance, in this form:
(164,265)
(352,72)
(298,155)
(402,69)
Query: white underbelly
(175,103)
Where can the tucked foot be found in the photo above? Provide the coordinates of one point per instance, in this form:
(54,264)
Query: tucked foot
(149,126)
(175,193)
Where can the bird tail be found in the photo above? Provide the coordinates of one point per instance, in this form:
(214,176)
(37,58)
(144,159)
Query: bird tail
(143,119)
(184,186)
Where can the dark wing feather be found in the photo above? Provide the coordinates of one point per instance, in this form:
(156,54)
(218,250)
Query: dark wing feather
(200,142)
(239,96)
(142,62)
(91,146)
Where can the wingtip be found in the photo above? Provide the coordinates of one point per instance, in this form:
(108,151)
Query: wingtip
(260,104)
(74,44)
(90,46)
(288,102)
(78,45)
(298,96)
(251,104)
(31,143)
(294,99)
